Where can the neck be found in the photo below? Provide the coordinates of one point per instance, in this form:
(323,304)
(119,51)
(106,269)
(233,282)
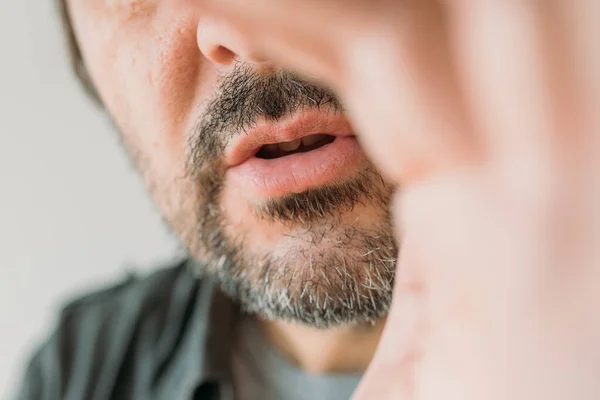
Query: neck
(338,350)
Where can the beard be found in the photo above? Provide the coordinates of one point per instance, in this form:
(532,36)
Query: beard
(333,272)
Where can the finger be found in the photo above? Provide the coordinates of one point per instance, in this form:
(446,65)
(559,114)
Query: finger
(441,285)
(531,73)
(580,21)
(392,372)
(466,258)
(581,28)
(403,95)
(505,56)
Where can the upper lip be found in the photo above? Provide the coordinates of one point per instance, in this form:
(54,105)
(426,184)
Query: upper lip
(287,129)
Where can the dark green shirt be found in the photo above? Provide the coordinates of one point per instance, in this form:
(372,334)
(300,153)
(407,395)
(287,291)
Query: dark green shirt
(167,336)
(173,336)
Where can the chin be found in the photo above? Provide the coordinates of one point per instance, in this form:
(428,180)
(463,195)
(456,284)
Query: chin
(298,235)
(323,257)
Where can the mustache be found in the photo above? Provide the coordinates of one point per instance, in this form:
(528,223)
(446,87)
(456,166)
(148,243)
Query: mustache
(245,96)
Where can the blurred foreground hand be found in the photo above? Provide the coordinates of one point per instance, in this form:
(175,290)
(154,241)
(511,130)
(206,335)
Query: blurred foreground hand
(487,116)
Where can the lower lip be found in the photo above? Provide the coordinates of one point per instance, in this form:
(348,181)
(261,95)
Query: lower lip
(298,172)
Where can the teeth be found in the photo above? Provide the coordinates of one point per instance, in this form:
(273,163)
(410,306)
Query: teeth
(290,146)
(312,139)
(271,148)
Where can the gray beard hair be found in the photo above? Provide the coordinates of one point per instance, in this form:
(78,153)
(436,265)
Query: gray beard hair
(338,274)
(336,290)
(349,279)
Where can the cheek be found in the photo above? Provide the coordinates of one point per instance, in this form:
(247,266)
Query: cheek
(176,84)
(151,76)
(174,70)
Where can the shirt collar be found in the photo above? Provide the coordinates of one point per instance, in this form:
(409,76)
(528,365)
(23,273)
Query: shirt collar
(212,329)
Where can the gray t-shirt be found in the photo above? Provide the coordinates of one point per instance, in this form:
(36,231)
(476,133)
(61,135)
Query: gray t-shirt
(261,373)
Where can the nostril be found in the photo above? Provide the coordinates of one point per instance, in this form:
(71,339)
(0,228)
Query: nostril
(218,42)
(221,55)
(221,43)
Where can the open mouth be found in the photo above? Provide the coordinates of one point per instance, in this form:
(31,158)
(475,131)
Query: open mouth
(302,145)
(292,155)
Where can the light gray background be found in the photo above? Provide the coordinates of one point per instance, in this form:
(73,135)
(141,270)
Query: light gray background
(73,213)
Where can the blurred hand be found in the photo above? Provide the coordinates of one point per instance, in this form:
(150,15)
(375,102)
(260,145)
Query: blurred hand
(487,115)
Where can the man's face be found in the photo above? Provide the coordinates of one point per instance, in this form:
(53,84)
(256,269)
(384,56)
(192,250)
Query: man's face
(254,167)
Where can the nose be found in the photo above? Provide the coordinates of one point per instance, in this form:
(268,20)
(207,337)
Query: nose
(223,45)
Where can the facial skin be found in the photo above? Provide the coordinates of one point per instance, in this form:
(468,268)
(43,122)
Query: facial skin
(184,91)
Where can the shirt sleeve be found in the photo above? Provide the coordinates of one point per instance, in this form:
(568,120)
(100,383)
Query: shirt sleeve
(108,340)
(41,378)
(65,363)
